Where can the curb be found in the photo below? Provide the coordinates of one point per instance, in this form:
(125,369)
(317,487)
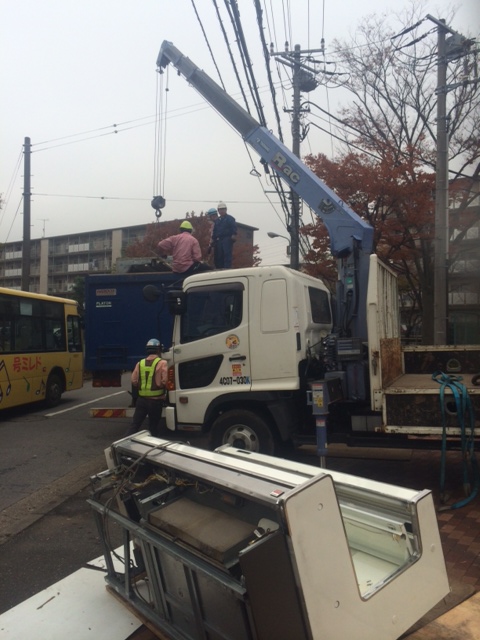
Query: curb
(25,512)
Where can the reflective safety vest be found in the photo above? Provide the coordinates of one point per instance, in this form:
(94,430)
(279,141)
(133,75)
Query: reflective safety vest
(147,387)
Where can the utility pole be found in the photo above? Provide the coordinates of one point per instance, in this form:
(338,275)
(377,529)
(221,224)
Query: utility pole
(303,79)
(441,199)
(26,217)
(455,48)
(295,199)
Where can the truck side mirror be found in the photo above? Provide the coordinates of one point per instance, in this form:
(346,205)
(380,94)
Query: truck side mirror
(177,302)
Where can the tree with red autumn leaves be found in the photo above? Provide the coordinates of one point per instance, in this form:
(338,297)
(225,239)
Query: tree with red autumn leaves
(396,199)
(243,256)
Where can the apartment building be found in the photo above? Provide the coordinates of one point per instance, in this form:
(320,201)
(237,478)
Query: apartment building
(464,265)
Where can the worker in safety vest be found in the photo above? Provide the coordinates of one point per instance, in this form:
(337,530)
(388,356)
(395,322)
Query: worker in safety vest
(149,378)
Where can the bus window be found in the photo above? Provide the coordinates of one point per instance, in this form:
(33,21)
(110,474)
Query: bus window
(5,334)
(74,333)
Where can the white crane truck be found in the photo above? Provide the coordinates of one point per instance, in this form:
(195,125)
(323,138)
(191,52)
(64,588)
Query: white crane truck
(258,358)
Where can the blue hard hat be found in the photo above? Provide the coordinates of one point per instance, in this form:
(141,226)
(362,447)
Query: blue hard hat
(212,212)
(153,343)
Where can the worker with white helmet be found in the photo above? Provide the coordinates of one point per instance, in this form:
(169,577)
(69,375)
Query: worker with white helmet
(149,378)
(184,249)
(223,236)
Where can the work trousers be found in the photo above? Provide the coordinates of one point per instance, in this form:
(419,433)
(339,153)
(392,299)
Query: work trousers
(146,407)
(223,253)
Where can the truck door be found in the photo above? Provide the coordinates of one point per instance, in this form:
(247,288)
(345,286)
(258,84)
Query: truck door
(211,352)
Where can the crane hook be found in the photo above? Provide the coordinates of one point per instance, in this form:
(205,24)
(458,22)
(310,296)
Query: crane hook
(158,203)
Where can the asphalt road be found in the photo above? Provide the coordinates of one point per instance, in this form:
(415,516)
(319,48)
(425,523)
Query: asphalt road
(47,456)
(46,459)
(41,445)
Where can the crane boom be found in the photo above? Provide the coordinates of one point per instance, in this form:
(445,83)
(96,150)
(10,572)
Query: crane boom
(351,238)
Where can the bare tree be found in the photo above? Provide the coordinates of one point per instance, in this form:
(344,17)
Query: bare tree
(393,81)
(391,74)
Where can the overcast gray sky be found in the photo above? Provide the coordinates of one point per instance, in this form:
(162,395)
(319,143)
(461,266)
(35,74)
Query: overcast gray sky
(70,71)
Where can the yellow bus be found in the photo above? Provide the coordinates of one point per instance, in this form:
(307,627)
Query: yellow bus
(41,353)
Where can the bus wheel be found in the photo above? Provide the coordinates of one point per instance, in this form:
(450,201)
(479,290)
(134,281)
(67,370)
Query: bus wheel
(243,430)
(54,390)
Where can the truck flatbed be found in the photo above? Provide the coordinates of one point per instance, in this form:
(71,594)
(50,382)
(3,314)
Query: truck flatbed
(424,383)
(412,406)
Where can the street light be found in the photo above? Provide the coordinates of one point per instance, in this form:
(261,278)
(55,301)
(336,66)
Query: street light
(272,234)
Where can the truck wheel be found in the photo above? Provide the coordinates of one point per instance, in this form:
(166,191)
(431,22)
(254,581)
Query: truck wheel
(244,430)
(54,390)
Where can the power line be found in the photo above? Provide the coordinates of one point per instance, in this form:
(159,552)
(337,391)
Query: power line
(14,218)
(88,131)
(207,41)
(245,57)
(88,197)
(10,185)
(267,59)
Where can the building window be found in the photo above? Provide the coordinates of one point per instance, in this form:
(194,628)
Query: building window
(77,248)
(11,255)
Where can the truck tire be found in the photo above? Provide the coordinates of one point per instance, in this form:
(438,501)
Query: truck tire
(53,391)
(244,430)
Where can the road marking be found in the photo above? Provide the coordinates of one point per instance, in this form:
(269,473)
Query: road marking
(84,404)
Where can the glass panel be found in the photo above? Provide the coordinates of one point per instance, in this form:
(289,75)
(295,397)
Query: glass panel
(74,333)
(211,310)
(320,306)
(382,536)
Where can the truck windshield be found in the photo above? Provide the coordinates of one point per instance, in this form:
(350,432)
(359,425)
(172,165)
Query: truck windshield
(211,310)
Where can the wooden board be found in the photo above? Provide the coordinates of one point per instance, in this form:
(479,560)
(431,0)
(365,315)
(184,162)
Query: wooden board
(147,631)
(77,607)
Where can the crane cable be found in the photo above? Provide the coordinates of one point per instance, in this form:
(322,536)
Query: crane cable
(158,201)
(464,409)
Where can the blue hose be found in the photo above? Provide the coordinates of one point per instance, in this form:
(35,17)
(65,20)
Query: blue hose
(465,413)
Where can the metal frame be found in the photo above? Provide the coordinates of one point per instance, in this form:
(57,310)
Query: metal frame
(164,610)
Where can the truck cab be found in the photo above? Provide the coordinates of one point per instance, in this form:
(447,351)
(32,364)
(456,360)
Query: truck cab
(245,344)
